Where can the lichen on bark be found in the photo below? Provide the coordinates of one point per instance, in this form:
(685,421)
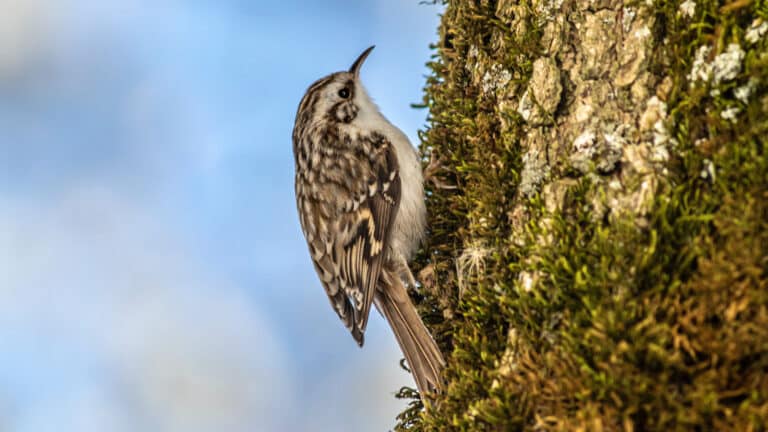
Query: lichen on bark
(598,198)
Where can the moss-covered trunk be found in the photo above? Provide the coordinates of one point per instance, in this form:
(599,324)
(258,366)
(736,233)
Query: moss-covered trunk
(598,197)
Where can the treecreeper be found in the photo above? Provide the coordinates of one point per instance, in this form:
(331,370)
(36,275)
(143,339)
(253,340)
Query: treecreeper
(360,197)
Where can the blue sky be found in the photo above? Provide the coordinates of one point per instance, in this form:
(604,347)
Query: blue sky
(152,271)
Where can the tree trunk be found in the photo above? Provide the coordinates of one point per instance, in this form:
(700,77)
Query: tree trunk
(598,198)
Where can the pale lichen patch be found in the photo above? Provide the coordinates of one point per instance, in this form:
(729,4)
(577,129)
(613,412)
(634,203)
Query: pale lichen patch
(730,113)
(744,92)
(653,120)
(534,172)
(724,67)
(589,151)
(727,65)
(701,70)
(495,78)
(545,9)
(584,143)
(756,31)
(688,8)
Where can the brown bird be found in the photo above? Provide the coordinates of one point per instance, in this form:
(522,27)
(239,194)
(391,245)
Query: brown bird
(360,197)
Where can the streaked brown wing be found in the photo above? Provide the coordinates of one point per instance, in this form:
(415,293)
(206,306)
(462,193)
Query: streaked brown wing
(362,254)
(348,233)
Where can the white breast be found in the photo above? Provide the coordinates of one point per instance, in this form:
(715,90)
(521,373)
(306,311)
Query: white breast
(410,221)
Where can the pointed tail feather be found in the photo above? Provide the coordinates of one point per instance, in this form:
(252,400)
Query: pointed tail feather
(418,346)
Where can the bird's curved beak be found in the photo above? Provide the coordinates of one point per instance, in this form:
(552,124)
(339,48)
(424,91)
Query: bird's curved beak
(355,68)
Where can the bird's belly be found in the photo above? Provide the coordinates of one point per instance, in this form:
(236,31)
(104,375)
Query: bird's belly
(410,221)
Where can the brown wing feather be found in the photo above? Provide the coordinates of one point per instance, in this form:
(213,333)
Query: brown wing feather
(347,225)
(363,254)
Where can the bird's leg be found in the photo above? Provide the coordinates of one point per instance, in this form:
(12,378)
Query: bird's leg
(403,271)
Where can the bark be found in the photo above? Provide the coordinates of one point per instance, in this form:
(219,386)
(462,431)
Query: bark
(598,198)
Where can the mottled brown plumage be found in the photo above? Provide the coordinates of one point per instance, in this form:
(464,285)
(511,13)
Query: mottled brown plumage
(360,199)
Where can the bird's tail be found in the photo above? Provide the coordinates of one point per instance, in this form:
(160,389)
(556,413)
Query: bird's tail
(420,350)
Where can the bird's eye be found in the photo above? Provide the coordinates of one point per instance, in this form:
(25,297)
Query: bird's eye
(344,93)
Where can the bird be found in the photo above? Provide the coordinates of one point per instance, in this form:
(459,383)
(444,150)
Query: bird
(360,198)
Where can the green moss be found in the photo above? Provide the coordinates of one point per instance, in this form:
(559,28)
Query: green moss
(598,323)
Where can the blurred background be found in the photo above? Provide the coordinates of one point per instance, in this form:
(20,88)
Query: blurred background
(153,276)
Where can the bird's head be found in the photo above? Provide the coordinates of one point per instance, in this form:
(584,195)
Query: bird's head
(339,97)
